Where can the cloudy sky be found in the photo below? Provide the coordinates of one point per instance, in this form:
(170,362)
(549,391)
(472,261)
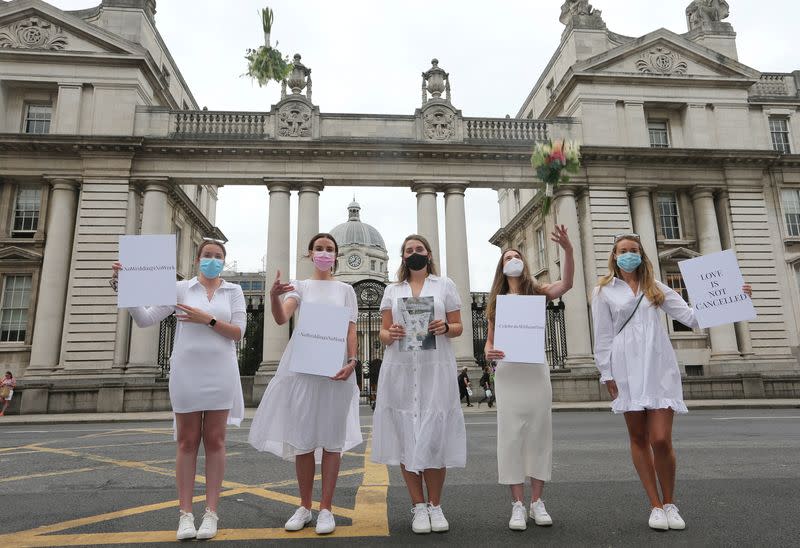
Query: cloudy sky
(367,56)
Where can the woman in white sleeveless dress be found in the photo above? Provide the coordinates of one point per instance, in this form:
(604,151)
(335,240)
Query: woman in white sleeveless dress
(310,418)
(205,389)
(523,391)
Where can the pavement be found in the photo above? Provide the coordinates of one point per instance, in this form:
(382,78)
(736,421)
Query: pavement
(87,418)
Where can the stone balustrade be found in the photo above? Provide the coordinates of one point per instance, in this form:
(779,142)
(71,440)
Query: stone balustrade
(208,123)
(505,129)
(773,84)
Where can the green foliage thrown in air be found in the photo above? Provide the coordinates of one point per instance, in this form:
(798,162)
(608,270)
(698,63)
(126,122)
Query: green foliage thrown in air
(267,63)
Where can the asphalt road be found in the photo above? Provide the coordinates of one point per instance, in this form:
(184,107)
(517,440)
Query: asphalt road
(738,479)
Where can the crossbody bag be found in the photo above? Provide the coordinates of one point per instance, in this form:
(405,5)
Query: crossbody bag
(635,308)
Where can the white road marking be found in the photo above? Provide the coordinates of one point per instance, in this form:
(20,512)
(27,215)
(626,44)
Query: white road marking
(765,418)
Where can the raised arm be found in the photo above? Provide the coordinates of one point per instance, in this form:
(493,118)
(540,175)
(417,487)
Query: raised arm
(556,289)
(282,310)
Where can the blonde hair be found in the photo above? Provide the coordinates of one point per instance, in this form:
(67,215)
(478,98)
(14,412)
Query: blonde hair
(527,284)
(644,272)
(403,273)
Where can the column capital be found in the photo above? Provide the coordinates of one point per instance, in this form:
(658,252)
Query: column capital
(421,186)
(310,185)
(641,190)
(454,188)
(276,186)
(60,182)
(564,191)
(151,184)
(701,192)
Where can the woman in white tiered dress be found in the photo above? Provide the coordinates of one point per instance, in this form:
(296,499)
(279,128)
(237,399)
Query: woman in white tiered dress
(205,389)
(310,418)
(418,422)
(524,395)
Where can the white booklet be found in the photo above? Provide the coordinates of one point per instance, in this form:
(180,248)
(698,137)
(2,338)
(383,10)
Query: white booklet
(417,313)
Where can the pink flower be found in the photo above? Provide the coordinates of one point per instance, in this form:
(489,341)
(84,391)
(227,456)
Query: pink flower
(557,155)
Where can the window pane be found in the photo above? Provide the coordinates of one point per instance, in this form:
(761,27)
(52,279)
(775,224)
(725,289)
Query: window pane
(779,131)
(668,214)
(37,119)
(790,200)
(14,308)
(675,281)
(26,211)
(659,137)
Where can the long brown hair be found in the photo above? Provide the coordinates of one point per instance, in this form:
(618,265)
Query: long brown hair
(319,236)
(527,284)
(644,272)
(403,273)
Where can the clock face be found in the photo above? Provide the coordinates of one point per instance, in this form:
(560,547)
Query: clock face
(354,260)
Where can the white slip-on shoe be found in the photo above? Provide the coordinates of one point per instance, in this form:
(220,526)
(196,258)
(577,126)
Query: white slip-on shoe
(325,522)
(438,522)
(300,518)
(421,523)
(674,519)
(519,520)
(186,529)
(658,520)
(208,527)
(539,514)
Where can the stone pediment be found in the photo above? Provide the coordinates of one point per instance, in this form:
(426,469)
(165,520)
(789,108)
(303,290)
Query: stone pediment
(18,254)
(33,25)
(678,254)
(666,54)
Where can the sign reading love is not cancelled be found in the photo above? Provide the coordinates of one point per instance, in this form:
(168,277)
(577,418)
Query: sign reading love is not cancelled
(519,328)
(714,283)
(147,277)
(319,341)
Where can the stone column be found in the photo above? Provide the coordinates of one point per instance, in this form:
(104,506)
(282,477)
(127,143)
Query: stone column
(122,335)
(427,216)
(276,337)
(576,304)
(723,337)
(52,297)
(644,226)
(458,267)
(307,226)
(155,220)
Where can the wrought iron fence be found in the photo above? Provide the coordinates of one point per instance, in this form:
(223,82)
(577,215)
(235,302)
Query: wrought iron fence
(166,339)
(369,294)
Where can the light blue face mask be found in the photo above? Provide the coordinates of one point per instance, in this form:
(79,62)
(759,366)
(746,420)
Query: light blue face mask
(629,261)
(211,268)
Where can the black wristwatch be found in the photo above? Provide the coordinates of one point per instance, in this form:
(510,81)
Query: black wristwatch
(213,322)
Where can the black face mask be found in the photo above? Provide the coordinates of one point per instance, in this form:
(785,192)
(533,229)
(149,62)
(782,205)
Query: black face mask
(416,261)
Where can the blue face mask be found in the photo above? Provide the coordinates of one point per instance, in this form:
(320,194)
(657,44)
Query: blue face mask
(629,261)
(211,268)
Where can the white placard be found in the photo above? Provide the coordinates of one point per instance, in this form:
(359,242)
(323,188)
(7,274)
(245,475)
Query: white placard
(519,327)
(319,341)
(714,283)
(148,271)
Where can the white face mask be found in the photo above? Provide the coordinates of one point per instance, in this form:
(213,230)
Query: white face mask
(513,268)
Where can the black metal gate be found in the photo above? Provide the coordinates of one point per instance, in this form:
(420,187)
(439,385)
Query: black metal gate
(369,294)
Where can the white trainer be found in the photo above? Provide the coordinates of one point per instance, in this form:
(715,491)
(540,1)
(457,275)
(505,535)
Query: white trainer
(300,518)
(208,528)
(422,520)
(658,520)
(186,528)
(325,522)
(438,522)
(519,520)
(674,519)
(539,514)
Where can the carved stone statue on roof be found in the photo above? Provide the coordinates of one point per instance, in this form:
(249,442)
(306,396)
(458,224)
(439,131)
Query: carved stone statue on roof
(707,14)
(581,14)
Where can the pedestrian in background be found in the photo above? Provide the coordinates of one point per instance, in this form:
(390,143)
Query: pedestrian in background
(7,386)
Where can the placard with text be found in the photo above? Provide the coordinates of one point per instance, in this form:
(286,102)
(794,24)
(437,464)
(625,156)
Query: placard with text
(148,271)
(319,341)
(519,327)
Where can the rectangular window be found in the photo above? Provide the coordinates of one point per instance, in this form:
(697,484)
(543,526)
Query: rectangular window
(541,250)
(372,265)
(178,240)
(37,118)
(26,212)
(14,308)
(258,286)
(245,285)
(779,131)
(790,200)
(659,134)
(675,281)
(668,215)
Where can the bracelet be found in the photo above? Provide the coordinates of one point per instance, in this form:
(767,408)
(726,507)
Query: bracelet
(446,328)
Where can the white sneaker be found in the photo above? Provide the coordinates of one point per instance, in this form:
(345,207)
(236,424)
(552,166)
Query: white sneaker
(300,518)
(208,528)
(186,528)
(674,519)
(539,514)
(519,520)
(422,520)
(658,520)
(325,522)
(438,522)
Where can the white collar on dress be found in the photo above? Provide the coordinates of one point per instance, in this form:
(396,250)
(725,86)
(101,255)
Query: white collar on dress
(431,277)
(224,285)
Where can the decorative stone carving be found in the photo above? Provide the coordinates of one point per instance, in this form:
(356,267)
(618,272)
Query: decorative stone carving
(298,80)
(435,81)
(295,120)
(707,14)
(33,33)
(661,60)
(439,124)
(581,14)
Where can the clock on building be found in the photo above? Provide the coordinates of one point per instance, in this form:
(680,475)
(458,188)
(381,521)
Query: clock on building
(354,260)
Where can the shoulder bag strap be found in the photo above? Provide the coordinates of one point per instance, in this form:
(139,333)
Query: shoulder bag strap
(635,308)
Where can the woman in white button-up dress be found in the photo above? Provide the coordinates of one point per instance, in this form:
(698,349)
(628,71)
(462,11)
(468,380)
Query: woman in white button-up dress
(205,389)
(638,366)
(418,421)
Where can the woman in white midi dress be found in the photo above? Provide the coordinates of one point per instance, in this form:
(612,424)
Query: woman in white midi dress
(638,366)
(205,389)
(523,392)
(418,422)
(310,418)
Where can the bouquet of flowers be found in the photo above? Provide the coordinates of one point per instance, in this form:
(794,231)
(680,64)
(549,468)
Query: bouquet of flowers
(550,160)
(267,63)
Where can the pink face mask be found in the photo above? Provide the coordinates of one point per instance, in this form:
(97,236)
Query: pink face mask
(323,260)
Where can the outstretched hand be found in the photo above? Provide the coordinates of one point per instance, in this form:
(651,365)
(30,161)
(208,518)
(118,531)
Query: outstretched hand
(279,288)
(559,236)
